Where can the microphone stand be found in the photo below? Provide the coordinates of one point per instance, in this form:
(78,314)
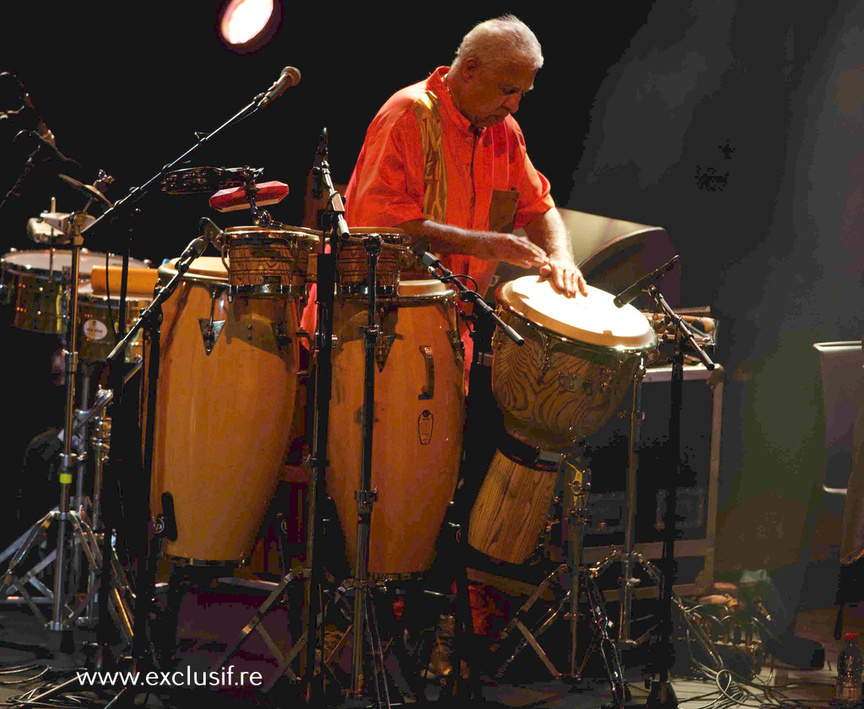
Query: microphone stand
(151,318)
(661,695)
(439,271)
(325,300)
(446,276)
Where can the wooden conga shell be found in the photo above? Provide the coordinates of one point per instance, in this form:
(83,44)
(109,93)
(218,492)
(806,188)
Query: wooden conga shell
(417,436)
(222,419)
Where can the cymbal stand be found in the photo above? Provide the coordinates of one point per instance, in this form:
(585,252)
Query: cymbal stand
(64,515)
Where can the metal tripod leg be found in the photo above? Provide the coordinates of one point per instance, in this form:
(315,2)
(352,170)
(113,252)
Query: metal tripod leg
(256,624)
(631,559)
(583,582)
(82,538)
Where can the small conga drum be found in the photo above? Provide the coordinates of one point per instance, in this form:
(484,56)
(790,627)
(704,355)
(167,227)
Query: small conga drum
(352,263)
(224,405)
(417,431)
(268,262)
(579,357)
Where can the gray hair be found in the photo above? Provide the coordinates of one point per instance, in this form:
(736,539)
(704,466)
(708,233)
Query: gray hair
(502,40)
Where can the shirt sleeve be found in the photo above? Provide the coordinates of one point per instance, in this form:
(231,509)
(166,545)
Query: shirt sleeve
(534,190)
(387,185)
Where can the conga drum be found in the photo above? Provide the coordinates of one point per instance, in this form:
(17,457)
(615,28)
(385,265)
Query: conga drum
(579,357)
(224,405)
(268,261)
(417,430)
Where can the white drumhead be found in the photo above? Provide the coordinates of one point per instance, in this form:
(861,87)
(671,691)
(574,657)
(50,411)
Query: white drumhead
(41,261)
(593,318)
(422,287)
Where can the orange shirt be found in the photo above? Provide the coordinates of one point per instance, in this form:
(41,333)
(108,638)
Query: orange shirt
(422,159)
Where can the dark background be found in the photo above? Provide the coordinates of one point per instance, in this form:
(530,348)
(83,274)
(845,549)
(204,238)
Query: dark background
(736,126)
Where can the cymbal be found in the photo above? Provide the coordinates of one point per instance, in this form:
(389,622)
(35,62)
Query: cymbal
(87,190)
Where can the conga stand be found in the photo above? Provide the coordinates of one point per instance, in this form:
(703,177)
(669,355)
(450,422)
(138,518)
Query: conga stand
(582,581)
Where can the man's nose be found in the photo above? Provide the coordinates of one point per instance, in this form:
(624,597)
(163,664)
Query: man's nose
(512,103)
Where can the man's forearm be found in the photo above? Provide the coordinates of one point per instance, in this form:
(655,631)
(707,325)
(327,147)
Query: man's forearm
(550,234)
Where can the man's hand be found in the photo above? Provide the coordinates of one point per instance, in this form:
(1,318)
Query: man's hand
(564,275)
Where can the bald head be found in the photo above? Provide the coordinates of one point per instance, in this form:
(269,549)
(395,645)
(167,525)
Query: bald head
(500,41)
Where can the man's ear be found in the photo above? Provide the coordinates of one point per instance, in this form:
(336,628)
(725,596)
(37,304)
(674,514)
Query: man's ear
(470,68)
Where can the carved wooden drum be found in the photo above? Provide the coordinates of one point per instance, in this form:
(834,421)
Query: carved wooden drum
(268,262)
(579,357)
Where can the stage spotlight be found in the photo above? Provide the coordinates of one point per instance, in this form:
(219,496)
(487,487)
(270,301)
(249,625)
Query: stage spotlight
(247,24)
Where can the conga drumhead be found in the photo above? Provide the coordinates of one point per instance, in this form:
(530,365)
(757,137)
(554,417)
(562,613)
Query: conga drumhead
(593,319)
(203,268)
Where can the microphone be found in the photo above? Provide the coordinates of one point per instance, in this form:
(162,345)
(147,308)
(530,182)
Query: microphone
(44,142)
(289,77)
(43,130)
(211,232)
(631,292)
(420,248)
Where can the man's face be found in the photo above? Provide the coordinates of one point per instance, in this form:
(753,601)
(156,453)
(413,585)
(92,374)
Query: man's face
(488,94)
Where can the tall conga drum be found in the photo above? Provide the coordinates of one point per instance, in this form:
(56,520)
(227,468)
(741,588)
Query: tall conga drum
(417,429)
(579,357)
(224,406)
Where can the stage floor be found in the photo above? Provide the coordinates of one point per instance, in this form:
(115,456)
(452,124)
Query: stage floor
(211,619)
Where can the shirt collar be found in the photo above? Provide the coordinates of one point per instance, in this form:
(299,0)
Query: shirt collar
(435,84)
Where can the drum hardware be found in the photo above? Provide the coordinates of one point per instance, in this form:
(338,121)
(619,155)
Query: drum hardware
(206,180)
(661,693)
(211,328)
(86,534)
